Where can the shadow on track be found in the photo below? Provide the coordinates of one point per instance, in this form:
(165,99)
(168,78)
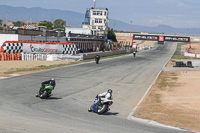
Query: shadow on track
(110,113)
(53,98)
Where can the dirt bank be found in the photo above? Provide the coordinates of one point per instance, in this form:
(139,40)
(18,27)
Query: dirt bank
(9,66)
(174,100)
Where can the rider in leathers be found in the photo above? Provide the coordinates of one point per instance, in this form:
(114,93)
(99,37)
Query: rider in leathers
(105,95)
(101,97)
(97,57)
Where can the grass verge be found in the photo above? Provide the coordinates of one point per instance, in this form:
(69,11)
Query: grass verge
(155,45)
(178,55)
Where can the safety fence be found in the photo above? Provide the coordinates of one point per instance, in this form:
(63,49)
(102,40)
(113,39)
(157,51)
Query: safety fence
(36,57)
(10,56)
(51,57)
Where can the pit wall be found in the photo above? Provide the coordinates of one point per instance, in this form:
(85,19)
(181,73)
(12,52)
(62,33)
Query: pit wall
(107,53)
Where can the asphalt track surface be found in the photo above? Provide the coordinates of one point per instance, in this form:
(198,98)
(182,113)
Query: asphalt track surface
(66,111)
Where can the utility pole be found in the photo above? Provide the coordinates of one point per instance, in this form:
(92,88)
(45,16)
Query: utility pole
(131,31)
(131,27)
(6,19)
(94,4)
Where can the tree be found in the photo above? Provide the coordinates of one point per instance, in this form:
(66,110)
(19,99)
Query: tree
(1,21)
(18,23)
(59,23)
(111,35)
(48,24)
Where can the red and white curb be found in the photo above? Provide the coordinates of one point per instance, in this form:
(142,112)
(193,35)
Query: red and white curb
(9,76)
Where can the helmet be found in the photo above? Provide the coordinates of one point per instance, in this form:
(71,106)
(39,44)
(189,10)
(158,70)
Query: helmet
(109,91)
(52,79)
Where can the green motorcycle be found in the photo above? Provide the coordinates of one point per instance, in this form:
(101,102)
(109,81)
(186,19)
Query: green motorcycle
(45,93)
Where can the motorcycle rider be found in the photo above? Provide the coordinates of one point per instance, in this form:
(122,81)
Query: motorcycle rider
(134,53)
(97,57)
(105,95)
(101,97)
(50,83)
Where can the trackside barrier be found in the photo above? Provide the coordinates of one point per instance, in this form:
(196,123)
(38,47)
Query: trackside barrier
(191,54)
(51,57)
(10,56)
(64,57)
(107,53)
(36,57)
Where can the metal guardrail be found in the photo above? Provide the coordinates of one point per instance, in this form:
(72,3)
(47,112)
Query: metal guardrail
(73,35)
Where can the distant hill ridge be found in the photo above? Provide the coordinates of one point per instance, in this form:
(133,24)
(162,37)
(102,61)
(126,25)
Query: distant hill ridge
(75,19)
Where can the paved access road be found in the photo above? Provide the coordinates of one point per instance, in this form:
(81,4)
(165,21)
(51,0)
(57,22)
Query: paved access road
(66,111)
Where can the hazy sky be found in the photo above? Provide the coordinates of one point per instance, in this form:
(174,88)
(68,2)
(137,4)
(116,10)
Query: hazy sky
(175,13)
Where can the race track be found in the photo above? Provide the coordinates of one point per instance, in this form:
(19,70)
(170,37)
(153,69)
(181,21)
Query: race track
(66,111)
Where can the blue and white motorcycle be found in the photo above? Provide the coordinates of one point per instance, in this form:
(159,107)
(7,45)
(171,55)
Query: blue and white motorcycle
(100,108)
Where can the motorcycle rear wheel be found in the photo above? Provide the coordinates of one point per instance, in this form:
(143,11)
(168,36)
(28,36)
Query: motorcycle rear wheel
(103,109)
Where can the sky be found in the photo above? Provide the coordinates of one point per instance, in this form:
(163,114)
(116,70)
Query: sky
(175,13)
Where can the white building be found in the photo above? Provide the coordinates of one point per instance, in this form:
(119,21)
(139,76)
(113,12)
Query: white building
(97,20)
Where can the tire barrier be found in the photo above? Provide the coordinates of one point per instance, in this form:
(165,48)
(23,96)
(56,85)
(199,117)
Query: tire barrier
(189,64)
(10,57)
(182,64)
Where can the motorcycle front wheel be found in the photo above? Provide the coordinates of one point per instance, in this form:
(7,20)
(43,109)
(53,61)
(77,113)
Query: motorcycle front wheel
(44,95)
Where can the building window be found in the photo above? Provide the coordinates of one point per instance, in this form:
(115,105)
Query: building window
(98,20)
(100,27)
(98,13)
(93,27)
(105,13)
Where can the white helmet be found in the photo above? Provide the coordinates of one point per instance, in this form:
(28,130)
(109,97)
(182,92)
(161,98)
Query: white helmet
(109,91)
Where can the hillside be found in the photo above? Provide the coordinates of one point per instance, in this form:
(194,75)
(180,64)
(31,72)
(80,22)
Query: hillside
(75,19)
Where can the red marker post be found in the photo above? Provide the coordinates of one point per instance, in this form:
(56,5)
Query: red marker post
(190,46)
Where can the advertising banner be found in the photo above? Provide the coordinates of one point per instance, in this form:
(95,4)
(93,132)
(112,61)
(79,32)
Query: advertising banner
(42,48)
(176,39)
(161,38)
(146,37)
(37,47)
